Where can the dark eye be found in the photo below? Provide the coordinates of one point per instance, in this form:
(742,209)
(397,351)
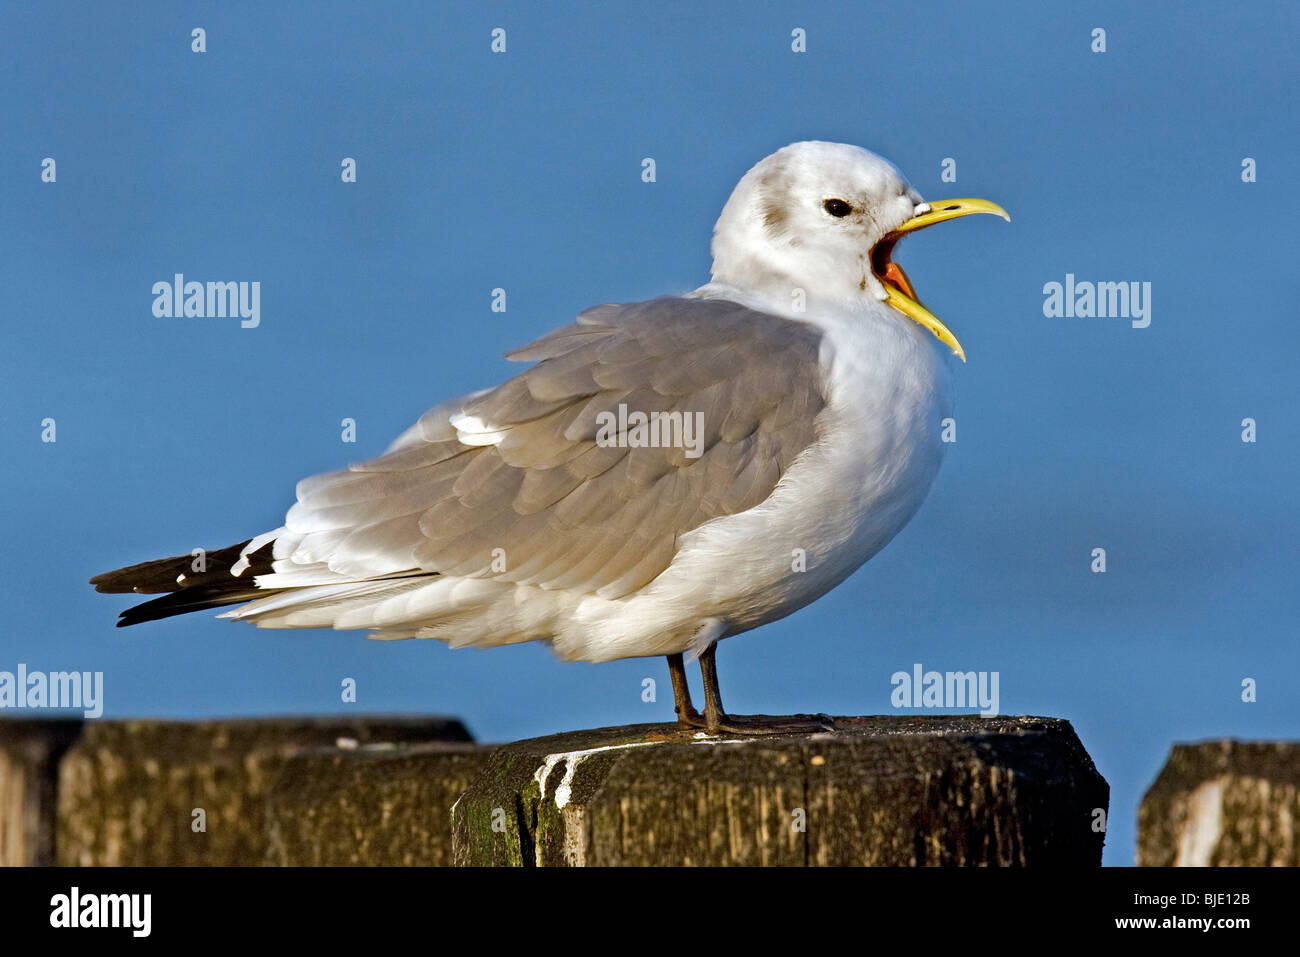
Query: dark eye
(837,207)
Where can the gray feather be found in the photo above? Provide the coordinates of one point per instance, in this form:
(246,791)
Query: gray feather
(565,511)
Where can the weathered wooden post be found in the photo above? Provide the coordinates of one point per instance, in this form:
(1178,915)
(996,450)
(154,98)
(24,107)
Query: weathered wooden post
(1223,803)
(168,793)
(883,791)
(29,768)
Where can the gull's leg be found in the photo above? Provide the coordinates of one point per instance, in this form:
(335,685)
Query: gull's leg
(686,713)
(713,713)
(717,720)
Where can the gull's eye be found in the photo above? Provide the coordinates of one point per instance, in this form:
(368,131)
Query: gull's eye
(837,207)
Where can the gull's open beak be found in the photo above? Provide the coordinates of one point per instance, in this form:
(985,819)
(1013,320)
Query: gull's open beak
(898,288)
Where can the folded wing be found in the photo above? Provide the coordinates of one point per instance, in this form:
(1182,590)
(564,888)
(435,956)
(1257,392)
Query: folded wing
(546,481)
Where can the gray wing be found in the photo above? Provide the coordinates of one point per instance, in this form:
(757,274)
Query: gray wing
(512,483)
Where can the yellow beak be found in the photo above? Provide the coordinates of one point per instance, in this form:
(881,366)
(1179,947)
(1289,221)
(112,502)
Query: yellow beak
(898,288)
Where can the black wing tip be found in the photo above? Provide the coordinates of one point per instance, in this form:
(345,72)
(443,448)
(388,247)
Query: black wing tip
(105,586)
(197,598)
(182,589)
(160,576)
(111,583)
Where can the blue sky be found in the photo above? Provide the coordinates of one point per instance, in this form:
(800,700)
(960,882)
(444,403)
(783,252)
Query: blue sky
(522,170)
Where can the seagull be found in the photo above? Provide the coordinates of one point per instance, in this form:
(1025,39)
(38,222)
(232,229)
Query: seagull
(666,474)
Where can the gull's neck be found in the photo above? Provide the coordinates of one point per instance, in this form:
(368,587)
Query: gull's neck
(860,320)
(792,300)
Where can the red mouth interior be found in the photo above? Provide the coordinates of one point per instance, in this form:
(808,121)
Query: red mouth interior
(888,271)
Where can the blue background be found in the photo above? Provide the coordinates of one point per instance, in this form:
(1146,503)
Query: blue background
(522,171)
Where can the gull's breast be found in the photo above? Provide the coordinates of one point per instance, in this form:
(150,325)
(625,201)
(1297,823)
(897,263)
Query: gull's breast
(888,391)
